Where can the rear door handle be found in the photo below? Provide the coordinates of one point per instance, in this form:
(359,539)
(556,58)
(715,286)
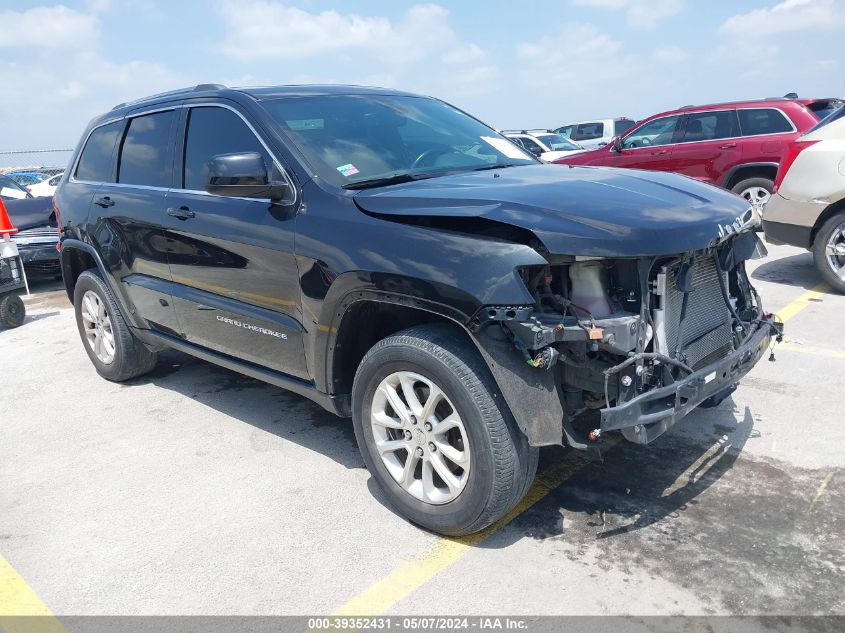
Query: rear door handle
(727,146)
(104,202)
(182,213)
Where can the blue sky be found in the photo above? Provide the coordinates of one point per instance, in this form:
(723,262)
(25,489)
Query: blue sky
(513,64)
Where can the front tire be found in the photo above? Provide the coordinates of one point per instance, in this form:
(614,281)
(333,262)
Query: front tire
(829,251)
(435,433)
(116,353)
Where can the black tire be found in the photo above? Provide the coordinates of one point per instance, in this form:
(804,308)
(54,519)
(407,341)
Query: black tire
(12,311)
(131,357)
(502,463)
(819,255)
(743,185)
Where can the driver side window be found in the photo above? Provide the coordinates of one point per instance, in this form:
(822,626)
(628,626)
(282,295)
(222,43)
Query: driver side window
(657,132)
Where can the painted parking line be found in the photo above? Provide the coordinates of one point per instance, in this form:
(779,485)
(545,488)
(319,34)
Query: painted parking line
(412,574)
(794,307)
(19,603)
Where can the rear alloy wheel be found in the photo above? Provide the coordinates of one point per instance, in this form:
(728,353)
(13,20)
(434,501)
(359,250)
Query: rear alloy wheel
(435,433)
(829,251)
(755,190)
(12,311)
(112,347)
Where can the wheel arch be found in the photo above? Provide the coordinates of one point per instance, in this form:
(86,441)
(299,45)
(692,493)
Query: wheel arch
(749,170)
(830,211)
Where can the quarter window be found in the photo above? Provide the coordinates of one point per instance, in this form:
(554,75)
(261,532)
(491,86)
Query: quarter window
(96,164)
(754,121)
(143,153)
(657,132)
(213,131)
(588,131)
(710,126)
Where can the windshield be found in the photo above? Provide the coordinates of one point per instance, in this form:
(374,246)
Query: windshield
(558,143)
(351,139)
(10,190)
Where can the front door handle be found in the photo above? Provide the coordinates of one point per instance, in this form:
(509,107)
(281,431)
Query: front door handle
(182,213)
(727,146)
(104,202)
(660,153)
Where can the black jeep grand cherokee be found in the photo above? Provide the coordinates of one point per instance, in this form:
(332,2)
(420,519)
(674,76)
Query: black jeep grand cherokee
(397,261)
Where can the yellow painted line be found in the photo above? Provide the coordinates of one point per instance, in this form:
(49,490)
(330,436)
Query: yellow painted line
(412,574)
(814,351)
(793,308)
(819,492)
(19,603)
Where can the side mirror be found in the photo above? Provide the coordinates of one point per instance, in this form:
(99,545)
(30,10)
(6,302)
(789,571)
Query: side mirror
(536,151)
(616,144)
(241,176)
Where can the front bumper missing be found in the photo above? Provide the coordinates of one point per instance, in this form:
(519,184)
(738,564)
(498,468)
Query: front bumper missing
(647,416)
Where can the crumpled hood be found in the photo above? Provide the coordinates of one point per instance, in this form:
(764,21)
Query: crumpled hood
(598,211)
(28,213)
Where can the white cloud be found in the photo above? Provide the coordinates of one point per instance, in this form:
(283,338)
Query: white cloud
(55,27)
(789,15)
(465,54)
(641,14)
(670,55)
(275,30)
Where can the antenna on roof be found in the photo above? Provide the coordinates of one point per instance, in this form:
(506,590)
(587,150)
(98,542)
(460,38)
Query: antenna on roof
(202,87)
(790,95)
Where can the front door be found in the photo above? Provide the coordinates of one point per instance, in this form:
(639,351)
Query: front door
(649,146)
(235,280)
(708,146)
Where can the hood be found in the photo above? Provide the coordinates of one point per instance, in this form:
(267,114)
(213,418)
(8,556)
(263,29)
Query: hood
(28,213)
(595,211)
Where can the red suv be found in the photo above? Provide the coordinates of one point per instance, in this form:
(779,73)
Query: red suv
(733,145)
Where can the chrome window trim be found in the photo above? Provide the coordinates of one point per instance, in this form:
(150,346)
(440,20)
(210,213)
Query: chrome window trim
(276,161)
(726,138)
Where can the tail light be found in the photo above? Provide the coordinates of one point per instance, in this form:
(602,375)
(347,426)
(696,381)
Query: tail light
(58,223)
(789,155)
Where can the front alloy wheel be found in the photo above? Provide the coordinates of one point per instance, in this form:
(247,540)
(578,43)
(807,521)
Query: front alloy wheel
(420,437)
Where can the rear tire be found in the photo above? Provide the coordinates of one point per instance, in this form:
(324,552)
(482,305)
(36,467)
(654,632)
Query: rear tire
(831,236)
(756,190)
(125,356)
(498,464)
(12,311)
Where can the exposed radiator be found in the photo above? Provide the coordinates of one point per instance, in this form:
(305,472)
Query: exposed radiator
(705,334)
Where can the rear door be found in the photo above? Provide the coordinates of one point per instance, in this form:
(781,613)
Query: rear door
(765,132)
(126,214)
(648,147)
(708,146)
(236,284)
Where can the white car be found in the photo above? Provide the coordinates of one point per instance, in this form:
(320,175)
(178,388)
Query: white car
(45,188)
(807,206)
(546,146)
(596,132)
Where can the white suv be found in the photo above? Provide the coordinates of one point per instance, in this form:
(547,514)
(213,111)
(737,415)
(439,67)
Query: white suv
(807,207)
(597,132)
(545,145)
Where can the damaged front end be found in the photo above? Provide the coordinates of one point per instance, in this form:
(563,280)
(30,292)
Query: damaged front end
(640,340)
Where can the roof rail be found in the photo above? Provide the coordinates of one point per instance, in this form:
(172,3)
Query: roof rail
(201,87)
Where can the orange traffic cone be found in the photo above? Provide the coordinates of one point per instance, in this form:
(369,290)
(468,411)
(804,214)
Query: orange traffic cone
(6,227)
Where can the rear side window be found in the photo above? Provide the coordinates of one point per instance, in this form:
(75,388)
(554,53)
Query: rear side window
(96,163)
(587,131)
(755,121)
(709,126)
(143,153)
(213,131)
(620,127)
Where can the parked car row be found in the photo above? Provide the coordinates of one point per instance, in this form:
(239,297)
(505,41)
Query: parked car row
(38,230)
(545,145)
(734,145)
(38,182)
(596,133)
